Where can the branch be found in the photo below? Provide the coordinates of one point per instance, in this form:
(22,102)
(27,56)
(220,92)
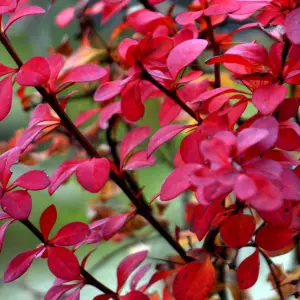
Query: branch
(89,279)
(171,94)
(147,5)
(216,51)
(142,209)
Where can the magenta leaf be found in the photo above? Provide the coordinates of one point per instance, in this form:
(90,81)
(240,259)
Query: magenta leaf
(3,228)
(71,234)
(4,70)
(107,112)
(183,54)
(163,135)
(93,174)
(17,204)
(268,97)
(19,265)
(23,12)
(65,17)
(138,276)
(108,90)
(292,25)
(33,180)
(6,92)
(128,265)
(139,160)
(135,295)
(34,72)
(47,220)
(84,73)
(57,291)
(132,140)
(188,17)
(63,263)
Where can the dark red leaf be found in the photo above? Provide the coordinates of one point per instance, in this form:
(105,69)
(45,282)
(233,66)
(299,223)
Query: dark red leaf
(272,238)
(63,263)
(93,174)
(248,270)
(34,72)
(237,230)
(47,220)
(71,234)
(128,265)
(194,281)
(19,265)
(17,204)
(6,92)
(33,180)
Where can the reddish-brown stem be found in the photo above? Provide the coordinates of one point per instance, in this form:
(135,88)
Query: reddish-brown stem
(172,95)
(147,5)
(216,51)
(67,123)
(89,279)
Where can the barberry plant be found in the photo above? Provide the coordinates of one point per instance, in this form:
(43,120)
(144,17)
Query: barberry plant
(238,172)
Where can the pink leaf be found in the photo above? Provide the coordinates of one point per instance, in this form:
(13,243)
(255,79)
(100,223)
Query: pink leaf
(183,54)
(65,17)
(23,12)
(84,73)
(138,276)
(163,135)
(248,270)
(17,204)
(47,220)
(177,182)
(57,291)
(71,234)
(168,112)
(93,174)
(6,92)
(292,26)
(218,7)
(268,97)
(34,72)
(63,263)
(33,180)
(19,265)
(107,112)
(249,137)
(108,90)
(139,160)
(62,173)
(74,295)
(82,118)
(244,187)
(128,265)
(188,17)
(132,140)
(3,228)
(114,224)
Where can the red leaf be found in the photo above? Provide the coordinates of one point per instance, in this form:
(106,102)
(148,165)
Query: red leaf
(218,7)
(63,263)
(272,238)
(19,265)
(114,224)
(194,281)
(82,118)
(237,230)
(84,73)
(6,92)
(23,12)
(47,220)
(183,54)
(74,295)
(139,160)
(177,182)
(203,217)
(4,70)
(71,234)
(17,204)
(132,140)
(292,25)
(128,265)
(229,58)
(163,135)
(168,112)
(93,174)
(3,228)
(157,276)
(34,72)
(135,295)
(33,180)
(138,276)
(268,97)
(248,270)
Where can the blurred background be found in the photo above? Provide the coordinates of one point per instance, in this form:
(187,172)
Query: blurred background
(33,36)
